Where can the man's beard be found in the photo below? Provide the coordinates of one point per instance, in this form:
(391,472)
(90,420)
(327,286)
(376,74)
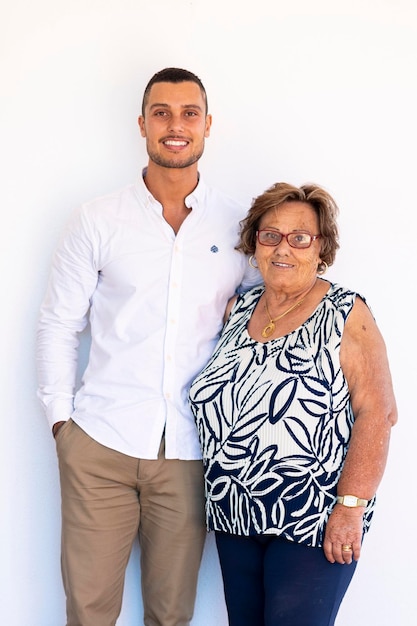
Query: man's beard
(175,163)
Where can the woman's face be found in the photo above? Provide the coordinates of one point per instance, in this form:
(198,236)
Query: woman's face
(283,267)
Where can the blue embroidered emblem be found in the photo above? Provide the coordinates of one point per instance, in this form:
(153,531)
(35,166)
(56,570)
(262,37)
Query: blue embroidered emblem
(214,249)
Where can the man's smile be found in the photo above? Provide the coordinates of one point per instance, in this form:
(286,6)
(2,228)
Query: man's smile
(175,143)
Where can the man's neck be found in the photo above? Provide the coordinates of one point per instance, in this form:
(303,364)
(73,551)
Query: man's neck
(170,186)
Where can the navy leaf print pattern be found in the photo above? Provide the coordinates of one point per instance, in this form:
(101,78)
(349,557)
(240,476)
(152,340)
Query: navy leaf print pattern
(274,421)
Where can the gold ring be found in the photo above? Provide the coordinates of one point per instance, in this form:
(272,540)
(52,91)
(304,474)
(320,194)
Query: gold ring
(347,547)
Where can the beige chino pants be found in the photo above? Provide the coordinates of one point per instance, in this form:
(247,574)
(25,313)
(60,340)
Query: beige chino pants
(108,499)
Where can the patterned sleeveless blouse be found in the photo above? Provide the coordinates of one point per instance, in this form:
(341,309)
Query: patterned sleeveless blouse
(274,421)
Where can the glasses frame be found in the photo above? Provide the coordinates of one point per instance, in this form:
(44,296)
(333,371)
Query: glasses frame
(285,236)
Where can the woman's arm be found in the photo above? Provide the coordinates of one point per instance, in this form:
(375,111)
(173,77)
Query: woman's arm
(365,365)
(229,308)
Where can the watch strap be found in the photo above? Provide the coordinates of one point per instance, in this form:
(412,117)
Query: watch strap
(351,501)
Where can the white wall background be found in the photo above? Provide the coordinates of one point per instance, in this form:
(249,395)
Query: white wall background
(322,91)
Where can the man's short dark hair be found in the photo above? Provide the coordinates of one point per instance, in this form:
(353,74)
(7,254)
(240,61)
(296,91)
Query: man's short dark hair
(173,75)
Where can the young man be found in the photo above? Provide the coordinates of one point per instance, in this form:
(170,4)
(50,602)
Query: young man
(151,268)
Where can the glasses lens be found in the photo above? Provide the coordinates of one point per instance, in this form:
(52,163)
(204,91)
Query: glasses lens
(269,237)
(299,240)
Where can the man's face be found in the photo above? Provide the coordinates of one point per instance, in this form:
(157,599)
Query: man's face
(175,124)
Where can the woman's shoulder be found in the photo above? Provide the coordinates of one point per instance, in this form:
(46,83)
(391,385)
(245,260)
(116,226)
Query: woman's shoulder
(245,300)
(338,294)
(251,294)
(240,304)
(343,299)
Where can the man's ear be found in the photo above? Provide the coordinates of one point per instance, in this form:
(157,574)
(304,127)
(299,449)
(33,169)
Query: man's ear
(141,122)
(208,126)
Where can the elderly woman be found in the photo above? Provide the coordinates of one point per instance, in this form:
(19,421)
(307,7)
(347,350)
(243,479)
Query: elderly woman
(294,412)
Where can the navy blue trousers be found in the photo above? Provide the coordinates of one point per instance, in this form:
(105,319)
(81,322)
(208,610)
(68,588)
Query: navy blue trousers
(270,581)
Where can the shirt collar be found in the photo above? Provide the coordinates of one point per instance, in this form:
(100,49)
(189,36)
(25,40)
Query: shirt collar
(194,199)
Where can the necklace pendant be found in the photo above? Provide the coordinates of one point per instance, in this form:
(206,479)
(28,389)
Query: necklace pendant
(268,330)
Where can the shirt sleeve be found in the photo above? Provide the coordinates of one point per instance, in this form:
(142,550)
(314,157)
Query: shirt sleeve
(63,315)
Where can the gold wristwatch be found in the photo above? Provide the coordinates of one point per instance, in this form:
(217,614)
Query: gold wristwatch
(351,501)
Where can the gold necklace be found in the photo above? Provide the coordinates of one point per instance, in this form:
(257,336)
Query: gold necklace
(270,327)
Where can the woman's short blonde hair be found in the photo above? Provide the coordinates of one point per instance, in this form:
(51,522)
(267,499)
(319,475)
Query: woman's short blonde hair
(319,200)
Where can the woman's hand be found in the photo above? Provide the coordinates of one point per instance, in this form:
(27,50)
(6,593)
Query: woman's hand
(344,529)
(56,427)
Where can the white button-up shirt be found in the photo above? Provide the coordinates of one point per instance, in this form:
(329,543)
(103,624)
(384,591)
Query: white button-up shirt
(155,302)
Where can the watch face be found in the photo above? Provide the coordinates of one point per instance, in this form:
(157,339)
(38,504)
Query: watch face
(350,500)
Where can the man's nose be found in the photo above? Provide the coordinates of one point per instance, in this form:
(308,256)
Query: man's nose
(176,123)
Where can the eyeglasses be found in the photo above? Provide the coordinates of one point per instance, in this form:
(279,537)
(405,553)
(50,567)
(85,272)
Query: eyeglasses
(299,239)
